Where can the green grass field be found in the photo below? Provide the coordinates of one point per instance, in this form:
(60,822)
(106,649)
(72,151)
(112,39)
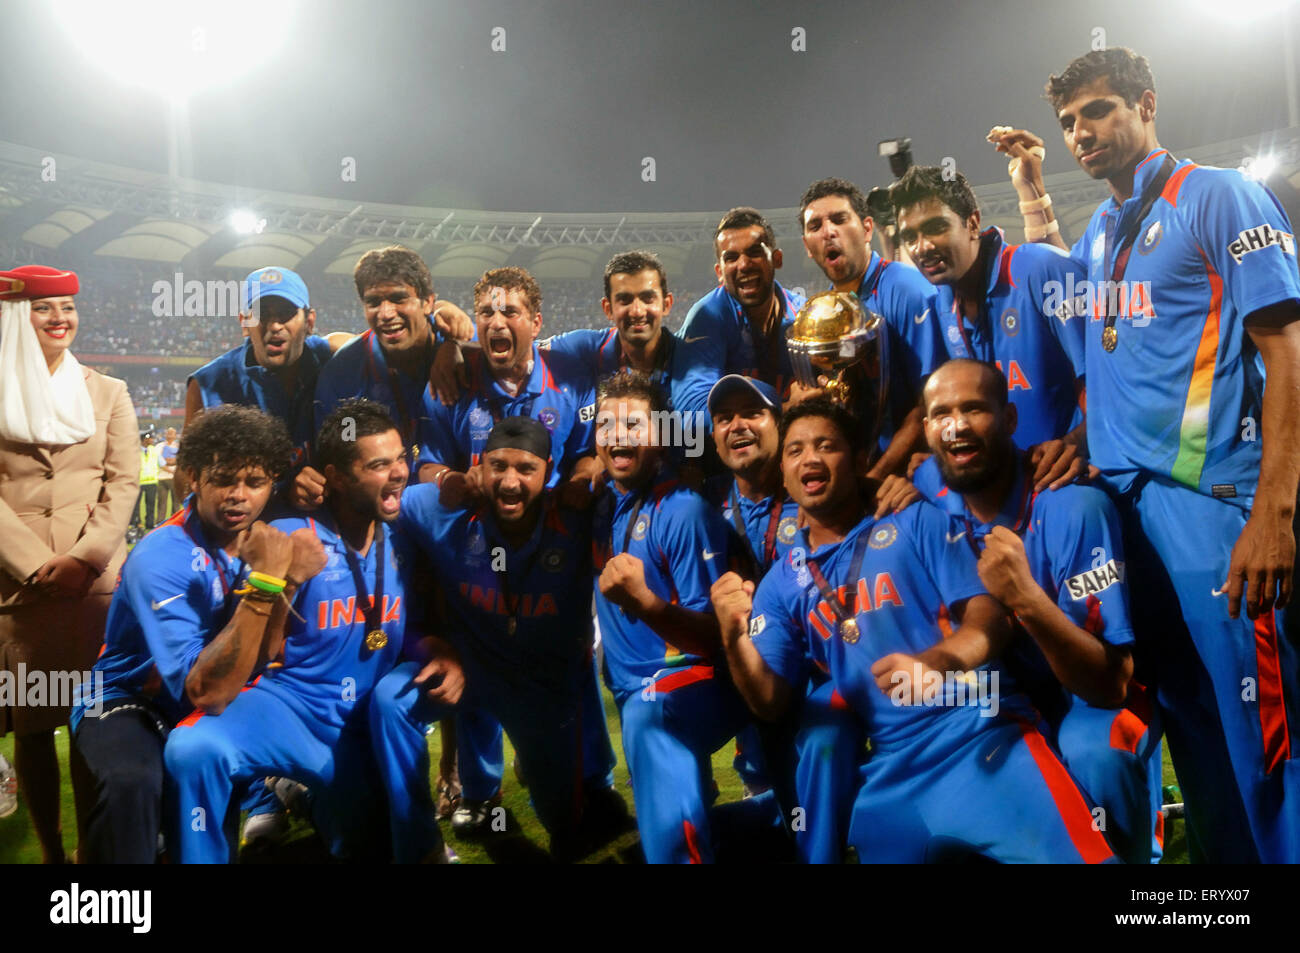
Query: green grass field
(524,841)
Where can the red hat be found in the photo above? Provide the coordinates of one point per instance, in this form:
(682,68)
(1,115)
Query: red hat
(37,281)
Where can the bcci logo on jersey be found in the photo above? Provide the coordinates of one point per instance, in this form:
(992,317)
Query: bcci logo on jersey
(1261,236)
(1151,239)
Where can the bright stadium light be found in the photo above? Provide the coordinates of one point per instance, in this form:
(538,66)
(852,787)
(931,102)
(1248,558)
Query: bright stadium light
(175,47)
(1259,168)
(246,223)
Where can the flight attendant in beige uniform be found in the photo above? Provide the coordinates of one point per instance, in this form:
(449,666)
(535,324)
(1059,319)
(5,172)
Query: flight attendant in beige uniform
(69,466)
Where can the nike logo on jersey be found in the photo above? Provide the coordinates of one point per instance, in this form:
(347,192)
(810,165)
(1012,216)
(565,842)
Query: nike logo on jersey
(708,555)
(158,605)
(989,756)
(693,340)
(920,318)
(1218,592)
(953,537)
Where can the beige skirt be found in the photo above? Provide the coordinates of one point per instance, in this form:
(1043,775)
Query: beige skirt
(46,648)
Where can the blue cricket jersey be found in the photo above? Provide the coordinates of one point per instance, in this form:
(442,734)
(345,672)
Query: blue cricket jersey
(913,572)
(236,378)
(1041,354)
(544,586)
(1075,553)
(723,343)
(682,542)
(359,369)
(681,370)
(766,529)
(1182,393)
(325,666)
(901,295)
(558,393)
(174,595)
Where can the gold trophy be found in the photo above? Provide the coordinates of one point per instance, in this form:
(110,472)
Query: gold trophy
(843,348)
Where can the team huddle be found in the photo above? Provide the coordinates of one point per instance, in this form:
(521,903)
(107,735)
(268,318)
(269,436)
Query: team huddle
(961,632)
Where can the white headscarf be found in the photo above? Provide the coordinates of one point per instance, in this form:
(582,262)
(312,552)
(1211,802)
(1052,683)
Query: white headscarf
(35,405)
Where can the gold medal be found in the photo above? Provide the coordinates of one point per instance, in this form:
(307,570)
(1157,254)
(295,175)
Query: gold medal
(376,639)
(849,631)
(1109,337)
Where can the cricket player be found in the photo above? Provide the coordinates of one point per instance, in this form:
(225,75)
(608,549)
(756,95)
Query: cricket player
(514,573)
(836,225)
(175,600)
(659,547)
(829,739)
(636,302)
(740,326)
(894,610)
(1193,365)
(277,366)
(390,362)
(989,300)
(1055,558)
(508,376)
(305,717)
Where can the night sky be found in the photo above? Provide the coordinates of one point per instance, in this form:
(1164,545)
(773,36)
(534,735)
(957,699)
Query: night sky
(584,91)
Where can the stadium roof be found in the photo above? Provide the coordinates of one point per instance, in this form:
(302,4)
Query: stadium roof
(85,208)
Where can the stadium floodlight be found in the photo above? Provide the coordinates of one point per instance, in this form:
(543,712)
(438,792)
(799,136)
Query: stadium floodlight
(246,223)
(175,47)
(1260,167)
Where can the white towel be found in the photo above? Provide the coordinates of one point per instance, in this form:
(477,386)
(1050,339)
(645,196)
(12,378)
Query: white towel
(53,410)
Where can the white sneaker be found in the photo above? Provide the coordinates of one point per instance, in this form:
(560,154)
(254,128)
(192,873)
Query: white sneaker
(262,830)
(8,788)
(294,796)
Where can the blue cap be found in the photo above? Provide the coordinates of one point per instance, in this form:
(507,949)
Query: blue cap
(280,282)
(734,383)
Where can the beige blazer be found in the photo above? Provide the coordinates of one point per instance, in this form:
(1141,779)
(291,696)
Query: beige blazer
(76,499)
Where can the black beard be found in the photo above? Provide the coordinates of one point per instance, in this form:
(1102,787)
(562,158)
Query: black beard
(972,481)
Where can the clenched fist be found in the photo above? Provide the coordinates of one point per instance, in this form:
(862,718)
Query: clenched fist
(622,582)
(461,489)
(902,677)
(309,556)
(1004,568)
(266,549)
(308,489)
(733,603)
(452,322)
